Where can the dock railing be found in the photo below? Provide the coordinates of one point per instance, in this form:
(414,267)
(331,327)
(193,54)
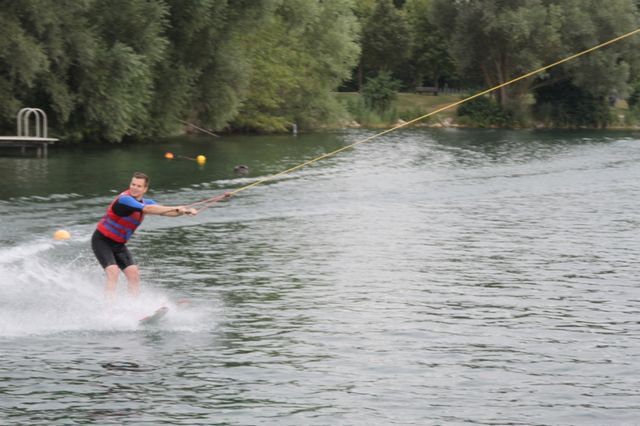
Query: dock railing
(23,122)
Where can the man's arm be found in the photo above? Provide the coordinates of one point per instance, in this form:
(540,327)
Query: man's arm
(171,211)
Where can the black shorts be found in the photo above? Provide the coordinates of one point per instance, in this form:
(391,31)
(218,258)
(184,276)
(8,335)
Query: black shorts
(109,252)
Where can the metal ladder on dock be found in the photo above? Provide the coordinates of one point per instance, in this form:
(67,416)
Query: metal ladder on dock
(23,122)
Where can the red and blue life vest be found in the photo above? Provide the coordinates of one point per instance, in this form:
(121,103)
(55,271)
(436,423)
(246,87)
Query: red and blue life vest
(119,228)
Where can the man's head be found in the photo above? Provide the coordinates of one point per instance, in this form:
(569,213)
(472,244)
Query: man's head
(139,184)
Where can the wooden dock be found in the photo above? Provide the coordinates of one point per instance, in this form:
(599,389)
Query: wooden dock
(23,142)
(40,141)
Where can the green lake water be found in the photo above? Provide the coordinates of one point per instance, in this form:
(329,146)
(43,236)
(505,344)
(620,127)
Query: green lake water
(426,277)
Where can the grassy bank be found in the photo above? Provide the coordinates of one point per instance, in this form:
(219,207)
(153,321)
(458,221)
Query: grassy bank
(406,107)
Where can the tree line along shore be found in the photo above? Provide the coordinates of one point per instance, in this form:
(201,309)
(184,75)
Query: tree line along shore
(108,71)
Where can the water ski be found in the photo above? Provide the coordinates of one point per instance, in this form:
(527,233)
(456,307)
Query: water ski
(155,317)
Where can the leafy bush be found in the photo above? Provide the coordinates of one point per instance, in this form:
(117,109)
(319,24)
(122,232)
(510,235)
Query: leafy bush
(379,92)
(634,97)
(565,105)
(485,112)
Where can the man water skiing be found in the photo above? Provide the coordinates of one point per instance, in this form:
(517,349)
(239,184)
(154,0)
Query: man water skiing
(123,216)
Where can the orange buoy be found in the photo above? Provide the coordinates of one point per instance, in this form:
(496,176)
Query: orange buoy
(61,235)
(168,155)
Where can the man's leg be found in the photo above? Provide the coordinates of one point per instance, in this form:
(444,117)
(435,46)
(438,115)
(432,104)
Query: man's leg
(133,277)
(103,248)
(112,272)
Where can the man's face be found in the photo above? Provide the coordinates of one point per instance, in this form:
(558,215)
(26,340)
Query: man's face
(137,187)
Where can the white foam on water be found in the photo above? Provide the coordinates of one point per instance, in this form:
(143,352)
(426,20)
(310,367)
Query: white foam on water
(40,293)
(13,254)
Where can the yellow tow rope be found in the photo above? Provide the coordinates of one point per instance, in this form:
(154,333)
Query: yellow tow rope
(206,203)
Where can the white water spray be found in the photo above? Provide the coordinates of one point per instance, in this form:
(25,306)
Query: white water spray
(49,288)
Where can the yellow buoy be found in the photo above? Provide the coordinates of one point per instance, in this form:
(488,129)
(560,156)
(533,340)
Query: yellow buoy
(61,235)
(201,159)
(168,155)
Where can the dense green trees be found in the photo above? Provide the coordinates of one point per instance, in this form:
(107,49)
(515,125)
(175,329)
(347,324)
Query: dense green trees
(90,64)
(107,70)
(499,40)
(429,60)
(578,93)
(299,56)
(205,75)
(484,43)
(504,39)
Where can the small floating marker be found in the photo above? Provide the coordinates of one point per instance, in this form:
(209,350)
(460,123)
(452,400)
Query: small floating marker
(61,235)
(168,155)
(241,169)
(201,159)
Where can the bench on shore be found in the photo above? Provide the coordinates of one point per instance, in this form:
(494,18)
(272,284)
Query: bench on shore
(424,90)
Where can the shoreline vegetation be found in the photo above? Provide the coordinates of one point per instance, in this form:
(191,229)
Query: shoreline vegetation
(279,66)
(408,106)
